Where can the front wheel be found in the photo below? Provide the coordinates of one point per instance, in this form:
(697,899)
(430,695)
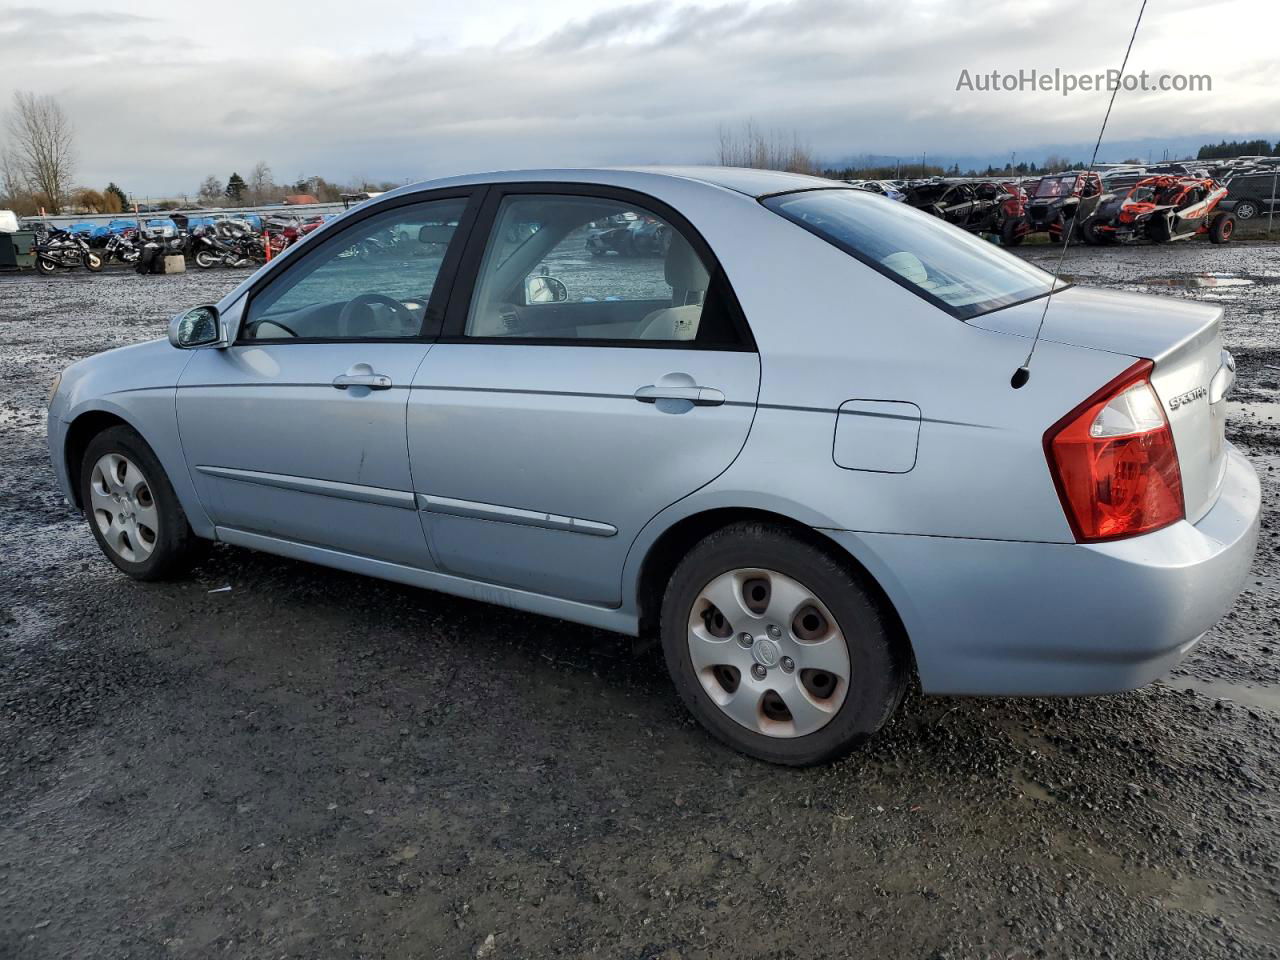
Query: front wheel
(1090,235)
(132,510)
(206,260)
(1012,231)
(93,262)
(1222,227)
(777,649)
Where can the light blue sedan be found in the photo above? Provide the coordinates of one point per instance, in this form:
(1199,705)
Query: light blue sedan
(785,440)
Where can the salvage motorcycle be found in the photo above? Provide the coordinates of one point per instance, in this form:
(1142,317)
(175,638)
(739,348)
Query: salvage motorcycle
(65,250)
(210,250)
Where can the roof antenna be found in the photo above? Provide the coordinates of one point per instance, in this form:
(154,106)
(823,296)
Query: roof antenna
(1023,373)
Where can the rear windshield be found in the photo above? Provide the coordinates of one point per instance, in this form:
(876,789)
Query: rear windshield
(954,270)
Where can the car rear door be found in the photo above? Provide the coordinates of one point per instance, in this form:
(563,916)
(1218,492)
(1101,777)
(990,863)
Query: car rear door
(544,435)
(297,430)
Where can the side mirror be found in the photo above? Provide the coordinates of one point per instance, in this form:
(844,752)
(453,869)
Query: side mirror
(542,289)
(198,327)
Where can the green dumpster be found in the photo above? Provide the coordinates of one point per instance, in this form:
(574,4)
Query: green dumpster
(15,249)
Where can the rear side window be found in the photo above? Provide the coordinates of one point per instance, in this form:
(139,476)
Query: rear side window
(580,269)
(952,269)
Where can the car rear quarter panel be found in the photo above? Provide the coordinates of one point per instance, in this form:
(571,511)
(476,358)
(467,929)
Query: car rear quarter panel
(831,330)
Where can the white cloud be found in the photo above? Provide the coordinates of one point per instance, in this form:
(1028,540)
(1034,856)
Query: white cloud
(163,94)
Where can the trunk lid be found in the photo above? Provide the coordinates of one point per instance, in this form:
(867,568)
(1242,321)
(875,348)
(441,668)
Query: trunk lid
(1182,338)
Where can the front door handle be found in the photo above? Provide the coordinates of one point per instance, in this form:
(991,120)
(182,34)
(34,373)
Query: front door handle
(374,381)
(698,396)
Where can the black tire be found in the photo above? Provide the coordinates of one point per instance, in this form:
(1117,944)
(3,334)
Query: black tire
(46,266)
(1158,230)
(206,260)
(1222,228)
(1089,235)
(176,547)
(1012,232)
(1246,209)
(879,662)
(93,261)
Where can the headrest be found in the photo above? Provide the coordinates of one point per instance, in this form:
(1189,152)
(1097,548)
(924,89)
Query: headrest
(435,233)
(684,270)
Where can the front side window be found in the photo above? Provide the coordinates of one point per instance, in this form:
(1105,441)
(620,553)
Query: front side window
(371,281)
(577,268)
(952,269)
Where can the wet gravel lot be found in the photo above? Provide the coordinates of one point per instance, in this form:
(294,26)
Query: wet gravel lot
(312,764)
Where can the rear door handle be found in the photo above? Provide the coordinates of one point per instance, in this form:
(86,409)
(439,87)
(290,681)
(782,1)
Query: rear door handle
(374,381)
(698,396)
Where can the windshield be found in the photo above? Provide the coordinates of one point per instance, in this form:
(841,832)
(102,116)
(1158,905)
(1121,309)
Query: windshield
(952,269)
(1056,187)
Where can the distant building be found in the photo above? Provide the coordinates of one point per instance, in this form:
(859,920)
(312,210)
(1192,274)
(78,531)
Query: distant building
(299,199)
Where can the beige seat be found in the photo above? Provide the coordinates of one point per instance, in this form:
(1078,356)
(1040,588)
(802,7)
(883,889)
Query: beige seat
(689,280)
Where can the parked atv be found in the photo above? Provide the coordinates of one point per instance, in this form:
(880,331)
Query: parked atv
(1060,201)
(1161,209)
(1013,208)
(973,206)
(629,235)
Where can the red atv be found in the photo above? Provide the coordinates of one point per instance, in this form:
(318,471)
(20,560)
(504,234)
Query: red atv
(1161,209)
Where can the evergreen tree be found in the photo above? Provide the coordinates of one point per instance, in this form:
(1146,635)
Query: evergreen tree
(236,188)
(114,191)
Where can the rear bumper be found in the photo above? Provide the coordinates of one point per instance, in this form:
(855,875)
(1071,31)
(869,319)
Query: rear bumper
(996,617)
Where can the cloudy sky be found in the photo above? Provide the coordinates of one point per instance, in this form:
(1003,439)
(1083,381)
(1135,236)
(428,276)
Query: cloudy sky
(163,93)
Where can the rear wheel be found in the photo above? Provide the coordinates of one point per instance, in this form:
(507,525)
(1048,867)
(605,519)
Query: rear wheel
(132,510)
(1222,227)
(206,260)
(46,266)
(777,649)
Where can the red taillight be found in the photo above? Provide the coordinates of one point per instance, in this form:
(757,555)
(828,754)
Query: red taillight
(1114,462)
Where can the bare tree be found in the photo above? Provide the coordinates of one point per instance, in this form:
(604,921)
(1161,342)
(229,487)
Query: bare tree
(752,147)
(12,183)
(210,192)
(43,144)
(261,184)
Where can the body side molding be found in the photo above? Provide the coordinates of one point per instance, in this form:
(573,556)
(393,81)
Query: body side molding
(325,488)
(474,510)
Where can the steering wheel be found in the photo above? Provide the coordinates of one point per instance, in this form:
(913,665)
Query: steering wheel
(366,299)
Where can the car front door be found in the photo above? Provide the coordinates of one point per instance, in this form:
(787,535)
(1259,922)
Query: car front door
(297,430)
(546,430)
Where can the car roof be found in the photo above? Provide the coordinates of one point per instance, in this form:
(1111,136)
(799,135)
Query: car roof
(752,183)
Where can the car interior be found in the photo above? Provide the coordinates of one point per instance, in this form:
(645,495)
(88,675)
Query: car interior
(648,298)
(373,287)
(368,291)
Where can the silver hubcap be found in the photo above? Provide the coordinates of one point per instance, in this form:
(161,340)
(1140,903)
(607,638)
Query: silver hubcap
(123,507)
(768,652)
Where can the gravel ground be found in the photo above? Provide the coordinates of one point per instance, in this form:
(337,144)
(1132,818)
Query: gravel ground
(312,764)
